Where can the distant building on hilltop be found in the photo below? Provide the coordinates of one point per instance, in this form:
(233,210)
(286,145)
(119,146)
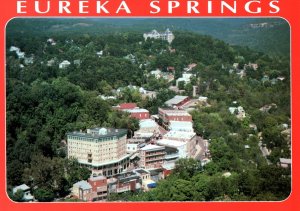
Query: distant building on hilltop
(101,149)
(167,35)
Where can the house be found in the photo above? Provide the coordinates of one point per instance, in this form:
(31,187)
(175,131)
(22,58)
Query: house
(27,195)
(82,190)
(186,78)
(135,112)
(157,73)
(266,108)
(64,64)
(51,41)
(251,65)
(238,111)
(130,57)
(99,53)
(285,162)
(51,62)
(235,65)
(202,99)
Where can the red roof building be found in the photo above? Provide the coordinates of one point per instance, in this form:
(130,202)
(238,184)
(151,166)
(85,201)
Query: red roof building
(127,106)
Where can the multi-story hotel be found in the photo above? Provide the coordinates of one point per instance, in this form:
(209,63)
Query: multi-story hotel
(101,149)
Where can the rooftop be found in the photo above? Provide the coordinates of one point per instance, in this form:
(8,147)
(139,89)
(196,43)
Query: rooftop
(142,171)
(175,100)
(83,184)
(136,110)
(170,143)
(146,123)
(181,124)
(22,187)
(152,147)
(179,135)
(285,160)
(97,178)
(99,133)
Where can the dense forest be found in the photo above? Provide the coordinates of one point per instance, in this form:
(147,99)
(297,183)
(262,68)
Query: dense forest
(45,101)
(268,35)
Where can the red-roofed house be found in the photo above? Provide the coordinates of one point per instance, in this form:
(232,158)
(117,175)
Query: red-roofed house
(127,106)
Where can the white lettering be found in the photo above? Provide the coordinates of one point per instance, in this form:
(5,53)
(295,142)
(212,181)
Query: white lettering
(37,7)
(123,6)
(225,4)
(152,5)
(172,5)
(20,5)
(248,4)
(82,6)
(273,5)
(191,5)
(209,7)
(63,6)
(101,7)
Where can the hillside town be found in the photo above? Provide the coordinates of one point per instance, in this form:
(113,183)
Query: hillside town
(148,120)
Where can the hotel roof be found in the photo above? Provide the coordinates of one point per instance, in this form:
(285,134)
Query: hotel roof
(99,133)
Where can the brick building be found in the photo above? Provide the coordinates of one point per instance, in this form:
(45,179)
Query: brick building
(168,115)
(152,156)
(135,112)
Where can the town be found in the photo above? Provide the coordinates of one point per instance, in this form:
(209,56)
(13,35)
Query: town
(126,117)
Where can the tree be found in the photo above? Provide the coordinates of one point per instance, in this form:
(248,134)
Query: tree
(185,168)
(18,196)
(44,195)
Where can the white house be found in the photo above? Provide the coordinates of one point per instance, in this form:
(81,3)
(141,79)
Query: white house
(64,64)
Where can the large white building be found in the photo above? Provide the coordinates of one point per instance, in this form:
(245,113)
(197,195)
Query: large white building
(101,149)
(167,35)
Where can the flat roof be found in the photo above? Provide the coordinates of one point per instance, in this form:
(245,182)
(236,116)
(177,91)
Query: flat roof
(175,100)
(95,133)
(285,160)
(179,134)
(142,171)
(171,143)
(136,110)
(152,147)
(146,123)
(180,124)
(97,178)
